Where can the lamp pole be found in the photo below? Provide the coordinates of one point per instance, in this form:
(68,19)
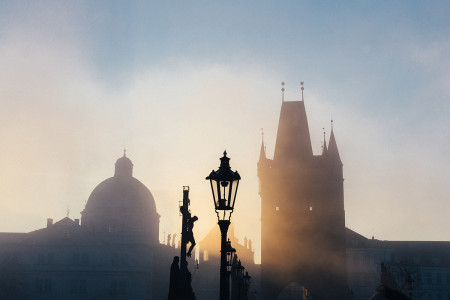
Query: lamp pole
(224,184)
(224,287)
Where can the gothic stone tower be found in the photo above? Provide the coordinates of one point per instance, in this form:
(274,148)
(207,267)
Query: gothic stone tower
(302,212)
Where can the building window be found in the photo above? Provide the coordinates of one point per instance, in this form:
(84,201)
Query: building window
(80,259)
(38,288)
(438,278)
(84,259)
(122,287)
(419,278)
(277,208)
(48,286)
(113,287)
(43,286)
(119,259)
(45,259)
(76,259)
(118,287)
(448,280)
(78,286)
(205,256)
(429,278)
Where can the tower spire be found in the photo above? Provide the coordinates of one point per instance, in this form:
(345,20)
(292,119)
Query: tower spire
(282,93)
(302,88)
(324,147)
(332,146)
(262,154)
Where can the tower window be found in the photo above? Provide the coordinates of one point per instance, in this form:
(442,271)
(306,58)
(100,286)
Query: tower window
(310,208)
(277,208)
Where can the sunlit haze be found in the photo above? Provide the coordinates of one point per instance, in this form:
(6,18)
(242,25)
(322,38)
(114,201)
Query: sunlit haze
(177,83)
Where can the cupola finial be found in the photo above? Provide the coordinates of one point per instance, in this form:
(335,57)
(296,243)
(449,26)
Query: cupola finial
(302,88)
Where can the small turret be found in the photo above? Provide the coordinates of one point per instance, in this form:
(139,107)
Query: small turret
(324,147)
(262,153)
(333,152)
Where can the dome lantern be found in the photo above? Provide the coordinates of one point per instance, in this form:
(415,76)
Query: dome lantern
(124,166)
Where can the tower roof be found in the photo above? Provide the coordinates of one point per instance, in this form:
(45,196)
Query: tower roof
(333,151)
(262,153)
(293,139)
(324,149)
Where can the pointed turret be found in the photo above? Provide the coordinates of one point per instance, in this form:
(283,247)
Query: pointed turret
(324,148)
(262,153)
(333,151)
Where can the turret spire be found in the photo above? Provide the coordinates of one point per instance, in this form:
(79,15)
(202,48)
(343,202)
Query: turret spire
(262,154)
(333,151)
(282,92)
(302,88)
(324,147)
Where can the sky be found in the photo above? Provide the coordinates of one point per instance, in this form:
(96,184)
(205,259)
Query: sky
(178,82)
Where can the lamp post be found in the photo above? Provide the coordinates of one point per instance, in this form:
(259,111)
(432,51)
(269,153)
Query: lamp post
(224,184)
(231,252)
(246,284)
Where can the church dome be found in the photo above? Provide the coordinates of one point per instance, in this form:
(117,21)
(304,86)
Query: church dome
(122,205)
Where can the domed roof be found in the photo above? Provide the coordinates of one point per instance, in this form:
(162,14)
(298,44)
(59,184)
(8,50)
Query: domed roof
(122,204)
(121,192)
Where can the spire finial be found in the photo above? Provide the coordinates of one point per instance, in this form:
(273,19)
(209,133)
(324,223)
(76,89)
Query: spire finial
(282,91)
(331,123)
(262,154)
(324,143)
(124,152)
(302,88)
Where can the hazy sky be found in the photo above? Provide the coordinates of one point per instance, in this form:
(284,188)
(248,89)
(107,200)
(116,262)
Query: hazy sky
(178,82)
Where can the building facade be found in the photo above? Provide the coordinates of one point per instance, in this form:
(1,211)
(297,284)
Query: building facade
(113,254)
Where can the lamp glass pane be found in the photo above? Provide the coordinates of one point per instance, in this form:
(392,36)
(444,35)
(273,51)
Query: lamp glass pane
(224,193)
(235,184)
(214,191)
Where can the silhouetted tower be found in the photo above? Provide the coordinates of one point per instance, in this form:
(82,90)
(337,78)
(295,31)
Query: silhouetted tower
(302,211)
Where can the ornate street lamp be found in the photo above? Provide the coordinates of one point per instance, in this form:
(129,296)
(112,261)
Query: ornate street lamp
(246,284)
(231,252)
(224,185)
(230,255)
